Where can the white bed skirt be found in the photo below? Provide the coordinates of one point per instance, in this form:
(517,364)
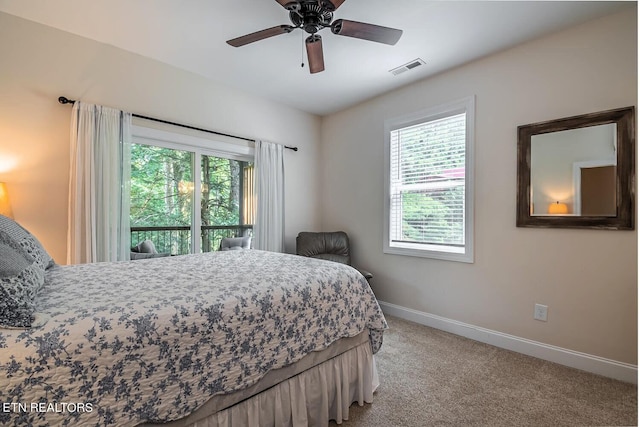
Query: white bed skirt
(311,398)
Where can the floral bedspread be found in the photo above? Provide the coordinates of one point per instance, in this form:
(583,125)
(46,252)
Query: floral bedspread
(152,340)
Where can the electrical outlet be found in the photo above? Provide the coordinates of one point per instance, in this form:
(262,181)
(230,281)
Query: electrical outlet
(540,312)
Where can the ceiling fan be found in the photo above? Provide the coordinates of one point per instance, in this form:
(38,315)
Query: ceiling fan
(313,16)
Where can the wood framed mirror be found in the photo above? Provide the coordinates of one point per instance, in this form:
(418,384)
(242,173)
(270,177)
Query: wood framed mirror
(578,172)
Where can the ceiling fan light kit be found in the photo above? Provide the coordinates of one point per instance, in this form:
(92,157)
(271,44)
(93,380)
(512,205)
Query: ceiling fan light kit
(314,15)
(314,53)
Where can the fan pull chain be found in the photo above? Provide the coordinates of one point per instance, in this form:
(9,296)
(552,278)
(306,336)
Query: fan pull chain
(302,51)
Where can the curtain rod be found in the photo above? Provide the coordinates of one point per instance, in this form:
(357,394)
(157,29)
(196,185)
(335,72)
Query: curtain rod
(64,100)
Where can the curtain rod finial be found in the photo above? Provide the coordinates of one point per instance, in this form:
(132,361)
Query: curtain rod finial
(65,100)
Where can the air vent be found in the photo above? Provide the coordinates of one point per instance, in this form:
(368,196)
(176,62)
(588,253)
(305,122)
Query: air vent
(406,67)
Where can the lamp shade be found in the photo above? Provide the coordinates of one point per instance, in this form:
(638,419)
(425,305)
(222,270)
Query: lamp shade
(5,206)
(558,208)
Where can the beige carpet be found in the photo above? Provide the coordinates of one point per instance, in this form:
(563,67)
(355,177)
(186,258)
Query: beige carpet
(433,378)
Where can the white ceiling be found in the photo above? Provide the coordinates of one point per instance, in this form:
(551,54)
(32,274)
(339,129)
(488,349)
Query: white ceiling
(191,34)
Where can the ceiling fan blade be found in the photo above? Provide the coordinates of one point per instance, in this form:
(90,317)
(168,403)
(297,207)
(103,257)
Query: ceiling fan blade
(260,35)
(331,5)
(314,53)
(289,4)
(361,30)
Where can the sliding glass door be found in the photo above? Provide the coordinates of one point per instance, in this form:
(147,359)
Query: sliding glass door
(224,200)
(162,198)
(167,209)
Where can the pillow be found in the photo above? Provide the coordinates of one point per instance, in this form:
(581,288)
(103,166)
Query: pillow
(146,247)
(13,258)
(20,280)
(235,243)
(28,241)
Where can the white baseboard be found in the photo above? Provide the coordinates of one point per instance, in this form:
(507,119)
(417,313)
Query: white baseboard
(598,365)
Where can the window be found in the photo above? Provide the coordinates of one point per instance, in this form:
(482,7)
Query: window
(166,170)
(428,183)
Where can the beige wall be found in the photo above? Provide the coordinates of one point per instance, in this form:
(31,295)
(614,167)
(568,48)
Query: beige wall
(39,63)
(587,278)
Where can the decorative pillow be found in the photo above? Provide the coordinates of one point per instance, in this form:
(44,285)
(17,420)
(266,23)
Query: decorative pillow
(13,257)
(235,243)
(28,241)
(20,280)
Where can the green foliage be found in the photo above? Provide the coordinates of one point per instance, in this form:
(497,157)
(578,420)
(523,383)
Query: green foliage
(432,217)
(431,148)
(220,203)
(430,172)
(157,177)
(162,193)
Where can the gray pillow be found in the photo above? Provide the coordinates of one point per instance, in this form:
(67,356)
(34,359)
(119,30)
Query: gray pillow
(235,243)
(146,247)
(13,258)
(20,280)
(28,241)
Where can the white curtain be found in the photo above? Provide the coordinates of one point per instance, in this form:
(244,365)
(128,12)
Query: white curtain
(98,228)
(268,229)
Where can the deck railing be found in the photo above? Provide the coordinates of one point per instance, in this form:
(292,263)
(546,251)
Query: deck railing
(176,240)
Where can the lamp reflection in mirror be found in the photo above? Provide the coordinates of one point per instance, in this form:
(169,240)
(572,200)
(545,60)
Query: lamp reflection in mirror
(5,206)
(558,208)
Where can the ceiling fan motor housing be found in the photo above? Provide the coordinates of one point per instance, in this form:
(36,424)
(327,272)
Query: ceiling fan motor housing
(311,17)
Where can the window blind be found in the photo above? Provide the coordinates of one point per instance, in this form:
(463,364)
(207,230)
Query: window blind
(427,182)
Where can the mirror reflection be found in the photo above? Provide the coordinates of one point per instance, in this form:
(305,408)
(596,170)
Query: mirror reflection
(578,172)
(573,172)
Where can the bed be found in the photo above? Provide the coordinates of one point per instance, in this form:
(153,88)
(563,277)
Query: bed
(216,339)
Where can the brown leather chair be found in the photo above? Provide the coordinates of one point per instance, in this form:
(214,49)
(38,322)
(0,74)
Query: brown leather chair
(331,246)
